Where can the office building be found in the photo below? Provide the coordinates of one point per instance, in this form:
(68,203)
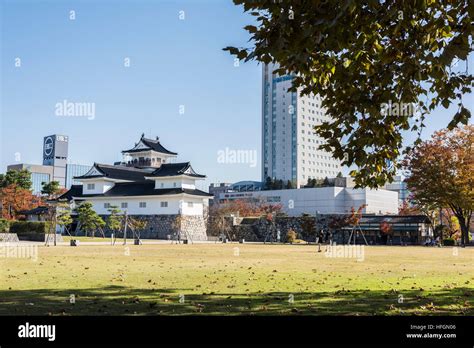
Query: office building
(54,167)
(55,150)
(39,174)
(289,145)
(400,186)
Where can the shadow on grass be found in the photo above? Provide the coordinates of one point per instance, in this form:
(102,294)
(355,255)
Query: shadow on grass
(119,300)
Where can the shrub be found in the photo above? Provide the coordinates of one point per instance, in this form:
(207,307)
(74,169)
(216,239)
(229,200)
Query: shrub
(30,230)
(4,225)
(448,242)
(291,236)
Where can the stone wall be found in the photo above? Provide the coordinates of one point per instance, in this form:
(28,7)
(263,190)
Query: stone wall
(167,226)
(193,226)
(9,237)
(306,227)
(259,229)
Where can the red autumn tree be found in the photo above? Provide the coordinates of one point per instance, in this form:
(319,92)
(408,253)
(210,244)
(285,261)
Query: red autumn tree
(355,216)
(245,208)
(385,227)
(241,208)
(339,221)
(440,174)
(15,199)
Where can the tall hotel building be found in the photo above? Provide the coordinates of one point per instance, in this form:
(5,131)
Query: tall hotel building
(289,145)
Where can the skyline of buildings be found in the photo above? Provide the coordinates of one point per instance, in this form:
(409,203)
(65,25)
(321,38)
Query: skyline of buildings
(55,150)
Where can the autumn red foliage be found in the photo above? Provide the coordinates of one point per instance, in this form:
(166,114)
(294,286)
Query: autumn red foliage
(15,199)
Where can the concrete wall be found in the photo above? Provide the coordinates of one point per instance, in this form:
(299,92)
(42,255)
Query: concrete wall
(377,201)
(100,186)
(172,182)
(153,205)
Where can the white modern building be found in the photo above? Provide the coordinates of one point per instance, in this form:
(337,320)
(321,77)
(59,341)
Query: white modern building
(289,144)
(324,200)
(149,187)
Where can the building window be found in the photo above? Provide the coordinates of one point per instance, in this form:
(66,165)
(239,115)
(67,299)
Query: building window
(106,205)
(37,181)
(164,204)
(174,184)
(91,186)
(190,204)
(162,185)
(142,204)
(124,205)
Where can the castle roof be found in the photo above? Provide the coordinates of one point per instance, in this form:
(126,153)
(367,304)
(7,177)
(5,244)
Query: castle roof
(117,172)
(176,169)
(146,144)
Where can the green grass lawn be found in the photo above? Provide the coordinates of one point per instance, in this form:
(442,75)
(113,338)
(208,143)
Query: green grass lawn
(208,279)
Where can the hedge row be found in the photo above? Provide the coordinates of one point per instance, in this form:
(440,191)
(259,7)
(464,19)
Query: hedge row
(27,227)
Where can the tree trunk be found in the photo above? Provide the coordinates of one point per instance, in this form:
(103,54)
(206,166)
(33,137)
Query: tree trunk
(465,233)
(464,230)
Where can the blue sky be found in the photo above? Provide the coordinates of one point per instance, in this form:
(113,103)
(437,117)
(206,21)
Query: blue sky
(173,62)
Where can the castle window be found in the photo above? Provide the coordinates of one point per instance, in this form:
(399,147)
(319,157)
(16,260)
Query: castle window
(164,204)
(91,186)
(142,204)
(124,205)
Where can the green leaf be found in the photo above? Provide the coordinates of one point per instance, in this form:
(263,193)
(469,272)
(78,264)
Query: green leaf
(462,116)
(382,62)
